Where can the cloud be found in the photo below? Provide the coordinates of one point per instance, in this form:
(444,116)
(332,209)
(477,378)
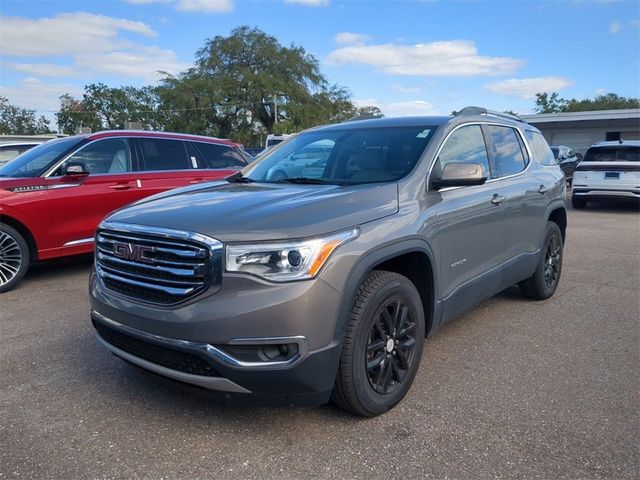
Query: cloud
(615,27)
(349,38)
(66,34)
(42,69)
(309,3)
(455,58)
(200,6)
(94,44)
(528,87)
(34,94)
(397,87)
(635,23)
(142,62)
(205,6)
(400,109)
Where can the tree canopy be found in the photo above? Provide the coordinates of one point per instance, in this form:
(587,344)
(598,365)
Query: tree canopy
(21,121)
(553,103)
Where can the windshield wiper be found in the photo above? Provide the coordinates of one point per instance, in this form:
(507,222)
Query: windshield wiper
(307,180)
(238,178)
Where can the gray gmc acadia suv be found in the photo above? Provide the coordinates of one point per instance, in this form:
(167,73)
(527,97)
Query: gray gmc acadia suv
(323,285)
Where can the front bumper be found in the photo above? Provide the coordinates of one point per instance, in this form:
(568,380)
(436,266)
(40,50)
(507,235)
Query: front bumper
(198,343)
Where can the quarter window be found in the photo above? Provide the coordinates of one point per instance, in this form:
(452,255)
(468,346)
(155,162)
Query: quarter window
(162,154)
(111,156)
(540,148)
(508,156)
(465,145)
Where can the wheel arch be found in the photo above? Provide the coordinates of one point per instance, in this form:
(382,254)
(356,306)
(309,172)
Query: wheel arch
(558,215)
(25,232)
(413,259)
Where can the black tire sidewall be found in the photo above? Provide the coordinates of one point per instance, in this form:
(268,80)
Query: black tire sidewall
(370,399)
(24,251)
(552,229)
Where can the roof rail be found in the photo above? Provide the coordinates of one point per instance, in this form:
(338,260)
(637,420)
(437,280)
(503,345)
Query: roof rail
(484,111)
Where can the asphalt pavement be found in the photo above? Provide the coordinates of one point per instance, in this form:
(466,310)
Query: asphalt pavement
(513,389)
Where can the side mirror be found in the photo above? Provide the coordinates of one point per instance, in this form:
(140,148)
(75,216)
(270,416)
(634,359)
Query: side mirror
(75,169)
(458,174)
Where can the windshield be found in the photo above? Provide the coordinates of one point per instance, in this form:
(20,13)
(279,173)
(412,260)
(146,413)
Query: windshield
(34,162)
(343,156)
(556,151)
(612,154)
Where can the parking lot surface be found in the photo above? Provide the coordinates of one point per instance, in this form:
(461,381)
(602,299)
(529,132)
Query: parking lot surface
(513,389)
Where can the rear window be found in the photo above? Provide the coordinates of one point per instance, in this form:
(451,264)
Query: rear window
(162,154)
(220,156)
(612,154)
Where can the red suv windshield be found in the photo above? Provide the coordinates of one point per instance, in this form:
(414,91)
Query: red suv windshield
(36,161)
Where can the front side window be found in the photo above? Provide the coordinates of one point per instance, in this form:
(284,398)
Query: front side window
(164,154)
(108,156)
(37,160)
(464,145)
(540,148)
(344,156)
(508,156)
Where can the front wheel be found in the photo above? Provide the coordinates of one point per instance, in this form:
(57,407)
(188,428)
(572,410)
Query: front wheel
(382,346)
(14,257)
(544,281)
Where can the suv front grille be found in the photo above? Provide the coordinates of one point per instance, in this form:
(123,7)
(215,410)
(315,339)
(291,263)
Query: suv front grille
(166,357)
(156,268)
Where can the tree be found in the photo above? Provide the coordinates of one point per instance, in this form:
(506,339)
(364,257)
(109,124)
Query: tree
(73,115)
(553,103)
(370,111)
(15,120)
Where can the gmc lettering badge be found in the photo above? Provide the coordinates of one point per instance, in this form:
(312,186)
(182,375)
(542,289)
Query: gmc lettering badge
(129,251)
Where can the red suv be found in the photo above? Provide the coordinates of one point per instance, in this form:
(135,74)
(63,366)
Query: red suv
(53,196)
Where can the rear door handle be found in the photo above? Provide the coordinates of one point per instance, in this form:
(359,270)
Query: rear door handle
(497,199)
(543,189)
(121,186)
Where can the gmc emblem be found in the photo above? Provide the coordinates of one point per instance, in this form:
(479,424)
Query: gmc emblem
(129,251)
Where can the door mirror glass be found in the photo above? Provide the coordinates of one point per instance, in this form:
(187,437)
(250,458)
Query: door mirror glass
(458,174)
(75,169)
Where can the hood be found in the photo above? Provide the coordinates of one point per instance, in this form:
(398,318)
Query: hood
(259,211)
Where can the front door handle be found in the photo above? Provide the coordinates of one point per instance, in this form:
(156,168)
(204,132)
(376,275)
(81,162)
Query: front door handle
(497,199)
(121,186)
(543,189)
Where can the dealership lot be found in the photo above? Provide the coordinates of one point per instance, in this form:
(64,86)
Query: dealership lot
(514,388)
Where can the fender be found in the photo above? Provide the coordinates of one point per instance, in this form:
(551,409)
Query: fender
(14,218)
(372,258)
(557,204)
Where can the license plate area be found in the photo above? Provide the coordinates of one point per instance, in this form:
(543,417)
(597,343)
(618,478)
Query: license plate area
(612,175)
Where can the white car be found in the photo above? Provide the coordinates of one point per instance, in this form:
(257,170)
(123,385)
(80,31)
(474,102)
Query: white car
(609,170)
(9,151)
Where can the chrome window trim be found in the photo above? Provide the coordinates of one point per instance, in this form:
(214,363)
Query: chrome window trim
(216,353)
(517,129)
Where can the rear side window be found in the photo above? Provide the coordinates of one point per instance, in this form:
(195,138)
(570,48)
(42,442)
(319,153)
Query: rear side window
(540,148)
(220,156)
(465,145)
(507,150)
(163,154)
(612,154)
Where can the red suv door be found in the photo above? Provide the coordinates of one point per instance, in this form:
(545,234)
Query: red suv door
(76,204)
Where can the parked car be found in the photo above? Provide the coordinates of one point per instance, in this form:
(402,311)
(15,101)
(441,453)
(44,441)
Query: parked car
(567,159)
(609,170)
(9,151)
(303,289)
(53,196)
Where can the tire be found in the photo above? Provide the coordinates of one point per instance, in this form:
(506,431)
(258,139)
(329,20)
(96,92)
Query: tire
(279,175)
(544,281)
(14,257)
(380,304)
(578,202)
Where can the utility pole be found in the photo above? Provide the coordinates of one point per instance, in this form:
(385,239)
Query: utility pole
(275,108)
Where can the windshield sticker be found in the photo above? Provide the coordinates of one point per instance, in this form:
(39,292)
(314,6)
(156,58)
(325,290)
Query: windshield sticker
(424,133)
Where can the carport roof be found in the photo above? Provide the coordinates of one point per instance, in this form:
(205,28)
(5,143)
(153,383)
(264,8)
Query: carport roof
(596,115)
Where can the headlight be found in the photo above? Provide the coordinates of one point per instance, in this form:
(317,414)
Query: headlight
(286,261)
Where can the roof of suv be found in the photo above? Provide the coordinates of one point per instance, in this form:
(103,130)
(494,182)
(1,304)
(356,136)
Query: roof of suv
(148,134)
(617,143)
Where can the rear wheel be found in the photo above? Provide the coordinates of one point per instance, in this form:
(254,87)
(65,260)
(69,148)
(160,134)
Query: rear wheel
(14,257)
(578,202)
(382,346)
(544,281)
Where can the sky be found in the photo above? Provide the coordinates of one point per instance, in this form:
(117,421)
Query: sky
(407,57)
